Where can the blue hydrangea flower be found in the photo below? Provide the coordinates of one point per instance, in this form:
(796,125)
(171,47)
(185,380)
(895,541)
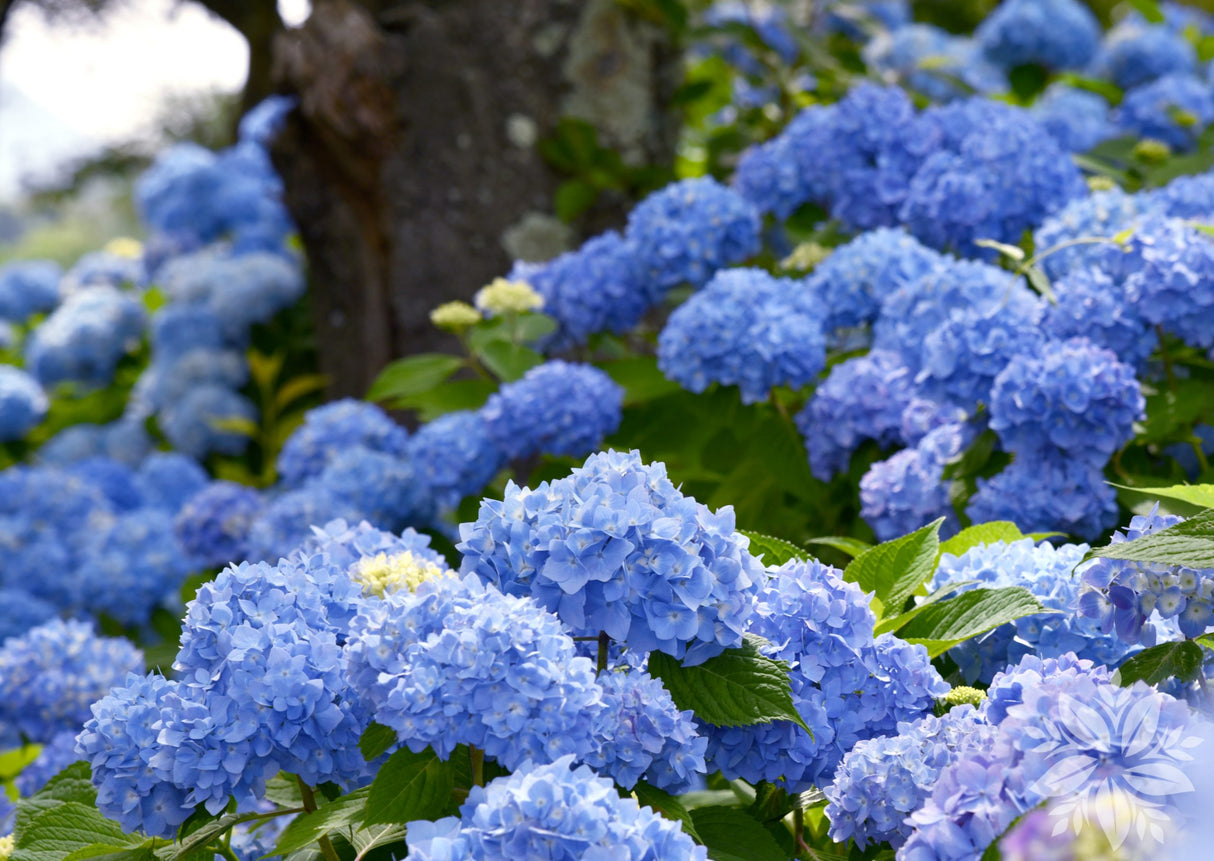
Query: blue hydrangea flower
(883,780)
(690,229)
(922,416)
(557,408)
(1045,571)
(748,329)
(862,398)
(845,685)
(963,356)
(1124,596)
(931,61)
(193,424)
(83,340)
(860,275)
(906,491)
(552,811)
(167,480)
(28,287)
(641,734)
(124,440)
(1077,119)
(454,456)
(911,312)
(132,566)
(173,195)
(115,480)
(179,329)
(20,611)
(597,288)
(52,673)
(1057,34)
(383,488)
(23,403)
(1135,53)
(57,754)
(1188,197)
(768,176)
(1173,285)
(344,545)
(1092,305)
(252,288)
(1043,491)
(119,741)
(213,526)
(286,521)
(1072,395)
(1174,109)
(333,428)
(457,662)
(859,19)
(103,269)
(616,547)
(1101,215)
(959,194)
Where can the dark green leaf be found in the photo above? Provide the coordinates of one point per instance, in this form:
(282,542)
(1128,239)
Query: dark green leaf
(1181,660)
(413,375)
(1172,412)
(531,326)
(110,852)
(1189,543)
(376,740)
(895,569)
(1028,81)
(946,623)
(641,379)
(732,835)
(64,827)
(453,395)
(508,361)
(573,197)
(896,622)
(410,786)
(189,847)
(309,827)
(853,547)
(667,805)
(739,687)
(774,551)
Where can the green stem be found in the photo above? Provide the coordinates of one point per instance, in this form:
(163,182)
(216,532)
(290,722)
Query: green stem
(604,647)
(798,827)
(309,804)
(478,765)
(1168,370)
(226,851)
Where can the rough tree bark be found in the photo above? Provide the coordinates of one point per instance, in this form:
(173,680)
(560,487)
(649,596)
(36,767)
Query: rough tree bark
(412,163)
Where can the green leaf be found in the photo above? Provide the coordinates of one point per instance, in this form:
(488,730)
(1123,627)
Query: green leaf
(573,197)
(1181,660)
(110,852)
(739,687)
(641,379)
(893,624)
(265,369)
(732,835)
(774,551)
(1149,9)
(375,741)
(65,827)
(1189,543)
(508,361)
(1194,494)
(192,844)
(946,623)
(413,375)
(1172,411)
(74,783)
(895,569)
(298,387)
(237,425)
(13,762)
(447,398)
(371,836)
(410,786)
(307,828)
(667,805)
(979,534)
(531,327)
(853,547)
(1040,282)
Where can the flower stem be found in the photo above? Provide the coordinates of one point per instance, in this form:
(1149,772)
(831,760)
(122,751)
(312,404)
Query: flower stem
(309,803)
(478,765)
(604,646)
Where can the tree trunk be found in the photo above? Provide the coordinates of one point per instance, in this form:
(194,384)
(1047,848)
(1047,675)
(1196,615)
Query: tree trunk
(411,164)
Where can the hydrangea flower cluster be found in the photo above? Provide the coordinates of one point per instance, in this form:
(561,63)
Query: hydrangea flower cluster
(83,340)
(597,288)
(1189,197)
(333,428)
(1077,119)
(286,520)
(1072,396)
(28,287)
(20,611)
(379,485)
(23,403)
(1173,285)
(748,329)
(862,398)
(213,526)
(1173,109)
(556,408)
(1090,304)
(1135,53)
(690,229)
(457,662)
(1101,215)
(883,780)
(552,811)
(905,491)
(930,61)
(52,673)
(1057,34)
(454,456)
(1046,572)
(1041,491)
(641,734)
(615,547)
(201,421)
(845,685)
(125,441)
(1124,596)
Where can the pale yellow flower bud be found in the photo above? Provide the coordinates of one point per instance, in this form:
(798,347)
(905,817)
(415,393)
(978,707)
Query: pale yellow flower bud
(455,316)
(382,573)
(508,297)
